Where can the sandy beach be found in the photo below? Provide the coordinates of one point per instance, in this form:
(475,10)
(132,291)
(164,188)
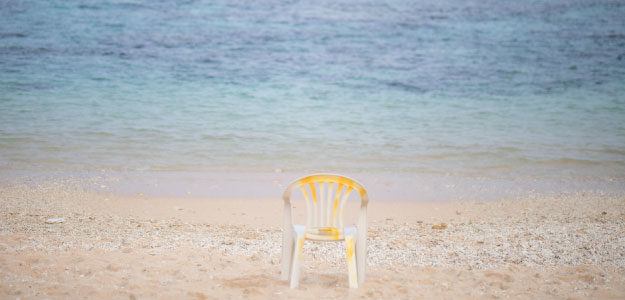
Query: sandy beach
(58,241)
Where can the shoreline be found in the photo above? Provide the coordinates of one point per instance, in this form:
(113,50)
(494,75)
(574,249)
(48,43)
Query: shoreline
(382,186)
(546,246)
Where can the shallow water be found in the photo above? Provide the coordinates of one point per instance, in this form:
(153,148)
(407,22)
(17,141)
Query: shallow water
(530,88)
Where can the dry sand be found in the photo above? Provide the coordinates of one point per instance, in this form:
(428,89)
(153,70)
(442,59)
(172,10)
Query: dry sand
(559,246)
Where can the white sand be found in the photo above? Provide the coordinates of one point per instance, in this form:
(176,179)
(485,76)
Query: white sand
(538,247)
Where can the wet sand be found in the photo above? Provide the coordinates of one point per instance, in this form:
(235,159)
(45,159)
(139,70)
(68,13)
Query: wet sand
(59,241)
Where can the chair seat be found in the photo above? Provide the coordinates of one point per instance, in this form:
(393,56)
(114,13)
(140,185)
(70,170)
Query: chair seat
(324,233)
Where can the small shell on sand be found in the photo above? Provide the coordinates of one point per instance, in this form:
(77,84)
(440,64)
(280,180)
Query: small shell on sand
(441,226)
(55,220)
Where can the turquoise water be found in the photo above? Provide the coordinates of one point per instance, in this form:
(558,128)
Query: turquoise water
(534,88)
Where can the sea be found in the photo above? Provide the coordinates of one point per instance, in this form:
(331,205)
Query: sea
(446,97)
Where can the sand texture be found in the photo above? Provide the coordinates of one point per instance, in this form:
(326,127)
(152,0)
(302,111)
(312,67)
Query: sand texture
(58,241)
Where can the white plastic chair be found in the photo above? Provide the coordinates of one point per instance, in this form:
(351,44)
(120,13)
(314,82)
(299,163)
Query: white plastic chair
(325,196)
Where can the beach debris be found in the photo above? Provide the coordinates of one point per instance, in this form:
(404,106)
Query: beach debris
(198,295)
(439,227)
(55,220)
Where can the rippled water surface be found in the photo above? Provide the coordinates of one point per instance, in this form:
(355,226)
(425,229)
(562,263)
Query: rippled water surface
(460,87)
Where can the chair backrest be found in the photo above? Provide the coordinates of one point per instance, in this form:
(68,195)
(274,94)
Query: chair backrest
(325,196)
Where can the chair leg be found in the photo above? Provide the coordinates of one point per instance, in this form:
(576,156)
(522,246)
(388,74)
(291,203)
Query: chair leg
(351,262)
(297,258)
(287,255)
(361,258)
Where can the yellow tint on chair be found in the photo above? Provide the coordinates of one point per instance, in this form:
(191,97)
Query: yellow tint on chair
(325,196)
